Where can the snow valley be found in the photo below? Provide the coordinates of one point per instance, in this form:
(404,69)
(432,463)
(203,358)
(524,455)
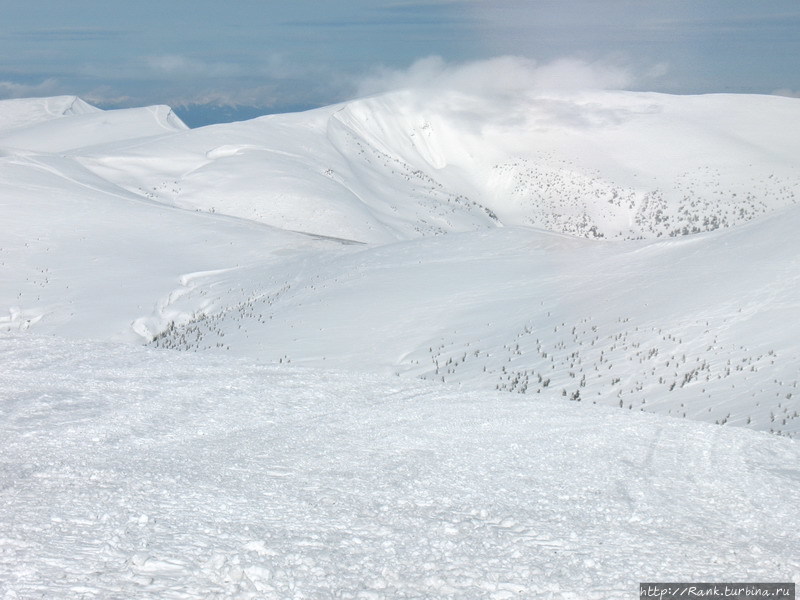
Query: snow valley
(413,345)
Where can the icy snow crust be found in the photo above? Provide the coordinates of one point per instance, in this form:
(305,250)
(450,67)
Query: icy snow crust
(615,250)
(129,472)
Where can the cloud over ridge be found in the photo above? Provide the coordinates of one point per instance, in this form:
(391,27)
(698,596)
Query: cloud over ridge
(500,74)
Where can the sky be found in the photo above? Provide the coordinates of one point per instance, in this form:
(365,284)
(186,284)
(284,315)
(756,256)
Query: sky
(279,55)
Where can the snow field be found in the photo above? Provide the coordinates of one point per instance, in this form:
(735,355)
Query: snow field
(131,472)
(18,114)
(666,327)
(696,327)
(613,165)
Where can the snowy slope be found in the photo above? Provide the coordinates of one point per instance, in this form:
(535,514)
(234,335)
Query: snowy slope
(81,125)
(283,170)
(616,165)
(701,327)
(80,256)
(698,326)
(128,472)
(334,425)
(18,114)
(598,164)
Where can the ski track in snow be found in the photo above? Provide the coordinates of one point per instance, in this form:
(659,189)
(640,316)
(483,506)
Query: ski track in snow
(128,472)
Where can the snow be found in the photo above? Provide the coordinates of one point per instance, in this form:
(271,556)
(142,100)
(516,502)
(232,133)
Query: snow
(698,326)
(87,127)
(617,165)
(82,256)
(20,113)
(408,346)
(666,326)
(136,473)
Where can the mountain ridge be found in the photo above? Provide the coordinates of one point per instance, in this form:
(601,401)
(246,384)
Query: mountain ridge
(536,244)
(577,163)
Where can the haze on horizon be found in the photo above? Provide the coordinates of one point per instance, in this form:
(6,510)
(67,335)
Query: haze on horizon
(287,56)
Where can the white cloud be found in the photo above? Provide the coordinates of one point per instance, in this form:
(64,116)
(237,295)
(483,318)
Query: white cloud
(176,64)
(657,71)
(501,74)
(252,96)
(787,92)
(10,89)
(568,73)
(272,66)
(168,63)
(107,96)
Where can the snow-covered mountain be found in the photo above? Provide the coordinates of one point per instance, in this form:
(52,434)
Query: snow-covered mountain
(616,165)
(20,114)
(295,276)
(66,123)
(190,239)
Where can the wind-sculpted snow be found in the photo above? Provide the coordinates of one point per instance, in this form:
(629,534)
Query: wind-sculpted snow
(17,114)
(613,165)
(129,472)
(85,128)
(81,256)
(304,172)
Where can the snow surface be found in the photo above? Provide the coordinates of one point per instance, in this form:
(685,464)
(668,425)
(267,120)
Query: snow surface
(541,260)
(130,472)
(618,165)
(85,126)
(699,326)
(21,113)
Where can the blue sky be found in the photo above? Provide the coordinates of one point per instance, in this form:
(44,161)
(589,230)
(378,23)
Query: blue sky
(299,53)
